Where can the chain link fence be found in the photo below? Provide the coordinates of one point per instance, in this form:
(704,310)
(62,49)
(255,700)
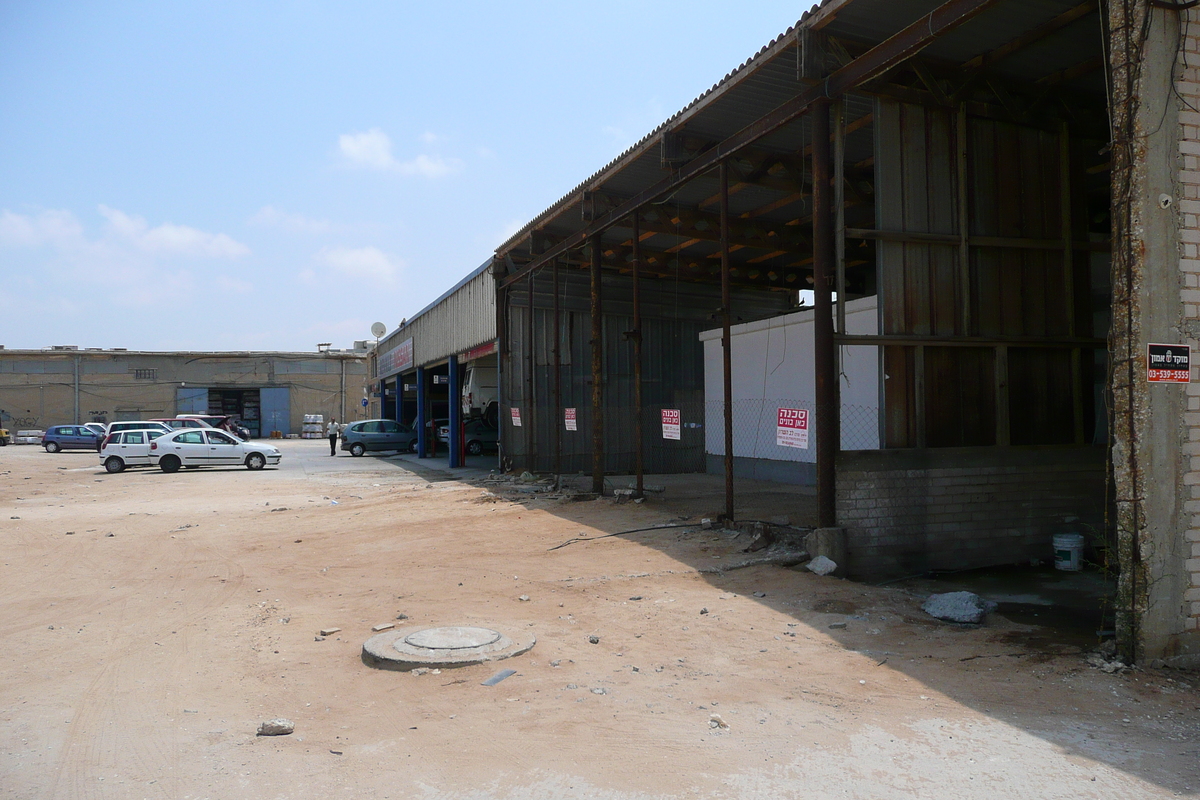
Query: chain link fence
(756,429)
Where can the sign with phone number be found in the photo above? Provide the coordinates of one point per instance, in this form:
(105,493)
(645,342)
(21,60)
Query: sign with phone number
(1169,363)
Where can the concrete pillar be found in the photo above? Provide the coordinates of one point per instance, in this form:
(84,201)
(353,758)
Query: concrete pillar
(1156,299)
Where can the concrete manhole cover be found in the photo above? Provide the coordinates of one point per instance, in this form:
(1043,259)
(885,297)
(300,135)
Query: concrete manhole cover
(449,646)
(456,638)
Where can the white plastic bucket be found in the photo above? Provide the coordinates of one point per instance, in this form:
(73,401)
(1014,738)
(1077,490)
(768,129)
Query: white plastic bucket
(1068,551)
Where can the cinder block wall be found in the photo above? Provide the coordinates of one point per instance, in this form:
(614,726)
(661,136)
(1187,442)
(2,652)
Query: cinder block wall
(908,512)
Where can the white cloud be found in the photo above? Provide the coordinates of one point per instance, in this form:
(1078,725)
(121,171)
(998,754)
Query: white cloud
(373,150)
(269,216)
(169,238)
(369,263)
(429,137)
(52,226)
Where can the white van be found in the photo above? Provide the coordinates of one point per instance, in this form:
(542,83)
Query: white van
(479,389)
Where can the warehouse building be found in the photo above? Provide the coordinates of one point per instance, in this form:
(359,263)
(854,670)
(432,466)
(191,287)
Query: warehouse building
(269,392)
(1011,185)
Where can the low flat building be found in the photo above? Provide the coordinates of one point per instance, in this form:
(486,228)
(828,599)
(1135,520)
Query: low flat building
(268,391)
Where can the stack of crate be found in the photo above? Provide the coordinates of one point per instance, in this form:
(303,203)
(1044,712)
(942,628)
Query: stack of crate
(313,427)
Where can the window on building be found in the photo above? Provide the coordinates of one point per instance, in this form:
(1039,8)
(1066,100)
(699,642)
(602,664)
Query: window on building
(145,374)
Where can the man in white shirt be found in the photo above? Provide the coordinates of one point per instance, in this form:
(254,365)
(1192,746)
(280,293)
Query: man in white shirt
(332,431)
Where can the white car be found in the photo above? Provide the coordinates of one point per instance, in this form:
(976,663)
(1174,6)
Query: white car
(128,449)
(208,447)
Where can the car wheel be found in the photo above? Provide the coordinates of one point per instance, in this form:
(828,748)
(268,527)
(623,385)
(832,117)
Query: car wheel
(52,447)
(357,449)
(114,464)
(169,464)
(255,461)
(412,448)
(475,448)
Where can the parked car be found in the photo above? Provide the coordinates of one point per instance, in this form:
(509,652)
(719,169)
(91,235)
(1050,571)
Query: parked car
(205,447)
(99,428)
(128,449)
(378,434)
(69,437)
(477,434)
(136,425)
(222,422)
(176,423)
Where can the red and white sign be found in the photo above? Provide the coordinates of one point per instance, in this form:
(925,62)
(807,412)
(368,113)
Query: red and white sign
(670,423)
(792,428)
(569,419)
(1169,363)
(516,416)
(479,352)
(397,359)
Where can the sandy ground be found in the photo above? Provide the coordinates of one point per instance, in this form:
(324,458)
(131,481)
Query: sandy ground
(152,621)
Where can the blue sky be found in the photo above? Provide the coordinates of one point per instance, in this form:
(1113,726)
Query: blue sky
(267,176)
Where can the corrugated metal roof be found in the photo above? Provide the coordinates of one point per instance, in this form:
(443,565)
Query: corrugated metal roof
(765,81)
(768,52)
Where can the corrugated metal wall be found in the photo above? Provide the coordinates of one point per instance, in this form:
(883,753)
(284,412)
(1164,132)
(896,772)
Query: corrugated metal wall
(673,315)
(464,319)
(1014,283)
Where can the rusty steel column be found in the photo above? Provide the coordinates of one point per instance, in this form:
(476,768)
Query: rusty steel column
(558,410)
(828,433)
(597,372)
(530,382)
(726,355)
(639,464)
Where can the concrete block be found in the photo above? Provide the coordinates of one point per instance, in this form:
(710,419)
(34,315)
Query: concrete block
(831,543)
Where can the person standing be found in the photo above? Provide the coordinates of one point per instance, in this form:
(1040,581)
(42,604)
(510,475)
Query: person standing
(332,432)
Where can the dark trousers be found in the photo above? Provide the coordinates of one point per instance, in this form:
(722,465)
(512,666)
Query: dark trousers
(333,444)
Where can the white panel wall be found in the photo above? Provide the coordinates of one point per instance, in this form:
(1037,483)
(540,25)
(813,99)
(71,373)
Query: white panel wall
(772,368)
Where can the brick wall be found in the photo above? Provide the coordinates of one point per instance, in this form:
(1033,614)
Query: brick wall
(1187,75)
(908,512)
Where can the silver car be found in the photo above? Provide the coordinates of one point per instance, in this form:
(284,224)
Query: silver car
(378,434)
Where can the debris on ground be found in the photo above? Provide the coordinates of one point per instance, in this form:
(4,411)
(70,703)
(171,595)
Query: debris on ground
(383,626)
(1103,664)
(276,727)
(822,565)
(965,607)
(715,721)
(329,631)
(499,676)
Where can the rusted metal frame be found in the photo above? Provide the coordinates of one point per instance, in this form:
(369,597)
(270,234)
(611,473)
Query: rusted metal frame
(530,381)
(726,342)
(1062,342)
(502,343)
(875,62)
(964,225)
(1003,420)
(1010,242)
(824,348)
(597,369)
(557,418)
(639,444)
(839,206)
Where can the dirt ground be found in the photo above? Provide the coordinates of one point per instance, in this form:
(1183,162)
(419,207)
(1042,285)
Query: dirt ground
(151,622)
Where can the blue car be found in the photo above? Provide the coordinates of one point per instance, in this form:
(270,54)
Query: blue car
(70,437)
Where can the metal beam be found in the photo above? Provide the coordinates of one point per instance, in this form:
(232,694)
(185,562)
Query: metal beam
(824,356)
(597,372)
(875,62)
(726,343)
